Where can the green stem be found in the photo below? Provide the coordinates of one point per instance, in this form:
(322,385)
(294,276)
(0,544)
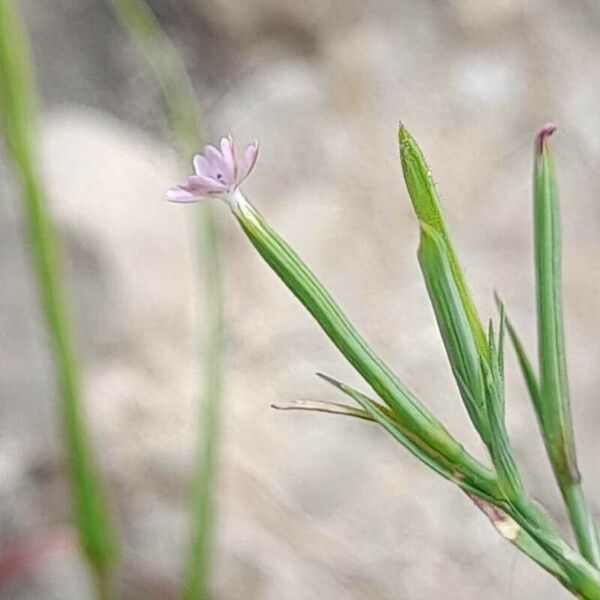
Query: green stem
(583,576)
(182,108)
(582,521)
(17,99)
(196,586)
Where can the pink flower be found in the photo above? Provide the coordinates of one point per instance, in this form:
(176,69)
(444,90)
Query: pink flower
(218,172)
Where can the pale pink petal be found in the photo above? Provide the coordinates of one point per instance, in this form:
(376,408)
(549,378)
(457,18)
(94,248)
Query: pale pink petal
(236,168)
(205,184)
(202,166)
(219,171)
(179,194)
(249,161)
(229,162)
(214,157)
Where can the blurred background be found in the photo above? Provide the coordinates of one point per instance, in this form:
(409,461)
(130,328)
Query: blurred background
(309,506)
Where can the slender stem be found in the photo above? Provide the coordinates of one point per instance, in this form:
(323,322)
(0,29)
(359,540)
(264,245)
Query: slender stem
(182,108)
(196,582)
(583,576)
(582,520)
(509,529)
(17,98)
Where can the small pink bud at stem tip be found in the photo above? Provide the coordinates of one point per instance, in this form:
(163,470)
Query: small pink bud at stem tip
(545,132)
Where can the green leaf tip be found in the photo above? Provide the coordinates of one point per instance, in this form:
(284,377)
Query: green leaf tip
(419,182)
(425,201)
(329,379)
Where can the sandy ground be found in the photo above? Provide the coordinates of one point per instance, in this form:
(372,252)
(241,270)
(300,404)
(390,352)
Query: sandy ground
(310,506)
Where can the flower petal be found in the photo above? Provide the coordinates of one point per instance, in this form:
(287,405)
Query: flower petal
(205,184)
(180,194)
(214,157)
(202,166)
(229,162)
(250,156)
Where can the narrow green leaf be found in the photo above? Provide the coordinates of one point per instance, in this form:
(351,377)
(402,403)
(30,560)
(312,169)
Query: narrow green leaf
(454,327)
(554,406)
(425,200)
(499,446)
(556,412)
(527,371)
(332,408)
(501,336)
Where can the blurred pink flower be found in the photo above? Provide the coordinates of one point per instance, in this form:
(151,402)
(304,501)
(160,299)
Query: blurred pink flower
(218,172)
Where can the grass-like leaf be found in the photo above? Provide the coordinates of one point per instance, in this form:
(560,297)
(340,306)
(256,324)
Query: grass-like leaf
(531,380)
(332,408)
(454,327)
(554,405)
(499,446)
(426,203)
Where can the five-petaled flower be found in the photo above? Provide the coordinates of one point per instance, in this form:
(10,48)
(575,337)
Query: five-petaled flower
(218,172)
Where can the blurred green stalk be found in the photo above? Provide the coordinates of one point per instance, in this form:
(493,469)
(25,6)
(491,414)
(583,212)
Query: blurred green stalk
(552,399)
(19,114)
(182,106)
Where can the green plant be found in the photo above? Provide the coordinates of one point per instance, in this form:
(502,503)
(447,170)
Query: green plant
(475,353)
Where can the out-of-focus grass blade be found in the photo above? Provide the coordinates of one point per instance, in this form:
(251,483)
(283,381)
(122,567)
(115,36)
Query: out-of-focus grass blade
(139,21)
(184,115)
(454,326)
(425,201)
(18,119)
(555,409)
